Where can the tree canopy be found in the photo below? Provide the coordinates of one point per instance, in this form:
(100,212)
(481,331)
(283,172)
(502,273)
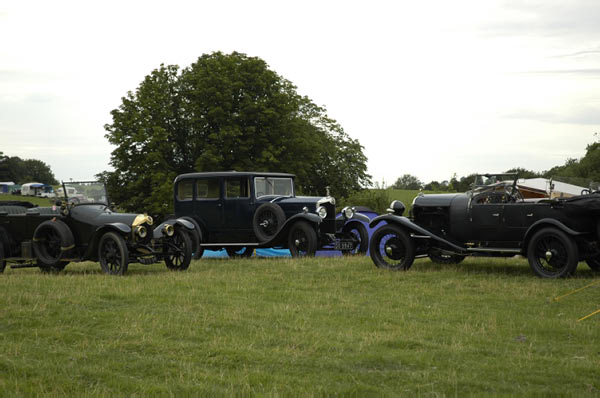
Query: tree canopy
(224,112)
(407,181)
(17,170)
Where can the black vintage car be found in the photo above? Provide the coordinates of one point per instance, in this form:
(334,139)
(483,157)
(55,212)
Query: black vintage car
(493,219)
(241,211)
(81,226)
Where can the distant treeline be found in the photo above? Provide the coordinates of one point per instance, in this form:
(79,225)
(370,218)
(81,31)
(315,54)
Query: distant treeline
(580,172)
(21,171)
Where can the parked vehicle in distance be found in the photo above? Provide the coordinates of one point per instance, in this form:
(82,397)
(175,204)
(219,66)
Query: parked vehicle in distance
(51,237)
(241,211)
(494,220)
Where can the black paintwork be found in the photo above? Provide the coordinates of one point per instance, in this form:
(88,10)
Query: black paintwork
(228,221)
(87,222)
(491,221)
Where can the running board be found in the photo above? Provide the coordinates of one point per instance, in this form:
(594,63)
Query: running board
(227,244)
(494,250)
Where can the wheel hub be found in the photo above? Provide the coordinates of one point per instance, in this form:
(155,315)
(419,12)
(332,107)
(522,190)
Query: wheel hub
(548,255)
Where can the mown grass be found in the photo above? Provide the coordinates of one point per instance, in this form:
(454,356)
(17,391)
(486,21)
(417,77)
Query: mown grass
(299,327)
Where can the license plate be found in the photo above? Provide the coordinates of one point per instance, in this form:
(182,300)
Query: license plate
(344,245)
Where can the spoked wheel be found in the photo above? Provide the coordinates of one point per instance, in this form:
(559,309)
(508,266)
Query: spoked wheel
(239,251)
(302,240)
(552,254)
(358,232)
(593,263)
(438,257)
(392,248)
(179,247)
(51,240)
(112,254)
(267,221)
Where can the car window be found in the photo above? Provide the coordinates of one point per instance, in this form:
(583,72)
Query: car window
(208,188)
(185,190)
(273,186)
(237,188)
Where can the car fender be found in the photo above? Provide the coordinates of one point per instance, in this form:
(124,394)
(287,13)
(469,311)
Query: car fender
(357,216)
(545,222)
(411,226)
(117,227)
(282,234)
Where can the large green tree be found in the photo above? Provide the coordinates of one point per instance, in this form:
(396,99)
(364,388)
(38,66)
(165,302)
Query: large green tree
(224,112)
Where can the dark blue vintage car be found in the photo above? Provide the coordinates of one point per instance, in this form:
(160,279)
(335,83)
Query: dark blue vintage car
(241,211)
(81,226)
(493,219)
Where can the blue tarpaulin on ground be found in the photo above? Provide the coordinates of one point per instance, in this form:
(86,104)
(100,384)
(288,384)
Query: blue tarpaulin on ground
(270,252)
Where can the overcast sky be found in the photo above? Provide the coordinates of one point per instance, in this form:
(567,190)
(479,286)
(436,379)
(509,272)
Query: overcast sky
(429,88)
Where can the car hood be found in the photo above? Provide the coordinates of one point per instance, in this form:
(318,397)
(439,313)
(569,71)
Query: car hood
(436,200)
(100,214)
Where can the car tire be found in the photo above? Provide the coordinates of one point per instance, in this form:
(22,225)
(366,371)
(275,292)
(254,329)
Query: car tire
(239,251)
(113,254)
(180,250)
(195,236)
(302,240)
(392,248)
(2,258)
(51,240)
(267,221)
(552,254)
(593,263)
(438,257)
(359,232)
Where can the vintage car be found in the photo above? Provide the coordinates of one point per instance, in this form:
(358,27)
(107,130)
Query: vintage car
(241,211)
(73,231)
(492,219)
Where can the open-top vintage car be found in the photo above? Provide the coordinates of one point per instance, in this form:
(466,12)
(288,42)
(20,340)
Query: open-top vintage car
(241,211)
(87,229)
(493,219)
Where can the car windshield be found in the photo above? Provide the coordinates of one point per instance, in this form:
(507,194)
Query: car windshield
(84,192)
(279,186)
(485,182)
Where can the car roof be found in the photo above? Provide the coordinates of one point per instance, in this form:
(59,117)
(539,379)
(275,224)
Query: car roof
(232,174)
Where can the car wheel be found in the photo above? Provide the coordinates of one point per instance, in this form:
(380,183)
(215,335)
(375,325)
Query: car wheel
(552,254)
(356,231)
(438,257)
(179,248)
(267,221)
(302,240)
(113,254)
(2,258)
(51,240)
(392,248)
(197,250)
(593,263)
(239,251)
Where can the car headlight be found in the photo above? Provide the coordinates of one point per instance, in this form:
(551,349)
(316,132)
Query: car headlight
(141,219)
(322,212)
(141,231)
(348,212)
(168,230)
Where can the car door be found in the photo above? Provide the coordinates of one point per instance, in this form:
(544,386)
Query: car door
(486,217)
(238,209)
(208,206)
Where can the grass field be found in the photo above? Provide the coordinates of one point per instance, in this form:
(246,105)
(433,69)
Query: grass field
(299,327)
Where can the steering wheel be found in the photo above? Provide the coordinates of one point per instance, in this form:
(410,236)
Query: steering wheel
(514,195)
